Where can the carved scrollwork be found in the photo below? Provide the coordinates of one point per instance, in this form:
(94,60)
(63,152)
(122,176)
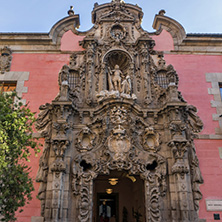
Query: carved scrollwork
(61,128)
(85,140)
(59,147)
(58,166)
(154,205)
(194,121)
(179,148)
(43,123)
(151,140)
(84,206)
(119,109)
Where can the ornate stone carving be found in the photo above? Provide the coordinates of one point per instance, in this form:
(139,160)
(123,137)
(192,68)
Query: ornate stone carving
(85,140)
(118,143)
(42,176)
(118,115)
(118,33)
(119,109)
(196,177)
(194,121)
(63,83)
(43,124)
(5,59)
(151,140)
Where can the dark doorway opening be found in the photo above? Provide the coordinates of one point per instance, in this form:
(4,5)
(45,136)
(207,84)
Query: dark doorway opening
(118,197)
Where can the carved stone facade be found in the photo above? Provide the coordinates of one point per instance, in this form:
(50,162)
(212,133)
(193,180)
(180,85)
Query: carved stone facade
(118,109)
(5,59)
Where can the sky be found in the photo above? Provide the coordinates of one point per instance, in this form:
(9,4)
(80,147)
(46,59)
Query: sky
(196,16)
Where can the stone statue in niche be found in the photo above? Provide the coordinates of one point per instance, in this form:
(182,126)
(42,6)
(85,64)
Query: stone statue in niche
(63,83)
(119,85)
(117,82)
(126,85)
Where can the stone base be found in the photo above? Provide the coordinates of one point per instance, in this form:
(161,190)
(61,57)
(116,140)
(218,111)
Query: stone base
(37,219)
(202,220)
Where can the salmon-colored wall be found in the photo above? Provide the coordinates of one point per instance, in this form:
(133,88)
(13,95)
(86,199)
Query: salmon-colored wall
(192,83)
(164,41)
(43,87)
(211,169)
(70,42)
(194,88)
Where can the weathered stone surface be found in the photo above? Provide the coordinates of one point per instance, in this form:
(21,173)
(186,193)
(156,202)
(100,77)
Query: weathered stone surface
(37,219)
(119,109)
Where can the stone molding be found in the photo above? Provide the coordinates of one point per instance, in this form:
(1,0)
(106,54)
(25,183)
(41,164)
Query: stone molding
(62,26)
(41,42)
(215,79)
(170,25)
(20,78)
(187,43)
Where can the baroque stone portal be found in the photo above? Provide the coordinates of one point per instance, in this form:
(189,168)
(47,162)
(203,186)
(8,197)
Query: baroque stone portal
(118,114)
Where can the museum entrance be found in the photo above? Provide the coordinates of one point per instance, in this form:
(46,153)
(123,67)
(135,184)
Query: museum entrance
(118,197)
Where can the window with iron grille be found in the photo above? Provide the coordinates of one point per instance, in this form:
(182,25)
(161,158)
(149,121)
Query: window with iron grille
(7,86)
(73,79)
(161,79)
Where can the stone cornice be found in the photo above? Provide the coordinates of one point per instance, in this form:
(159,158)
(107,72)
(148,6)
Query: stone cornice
(187,43)
(172,26)
(40,42)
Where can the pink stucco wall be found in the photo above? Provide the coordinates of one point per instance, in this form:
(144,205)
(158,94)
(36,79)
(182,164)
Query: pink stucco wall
(43,87)
(70,42)
(194,88)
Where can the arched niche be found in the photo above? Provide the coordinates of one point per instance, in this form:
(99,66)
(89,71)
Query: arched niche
(117,57)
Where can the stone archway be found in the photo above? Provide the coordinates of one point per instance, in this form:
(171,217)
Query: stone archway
(149,171)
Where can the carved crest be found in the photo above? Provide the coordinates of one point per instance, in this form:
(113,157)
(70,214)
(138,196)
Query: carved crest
(118,143)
